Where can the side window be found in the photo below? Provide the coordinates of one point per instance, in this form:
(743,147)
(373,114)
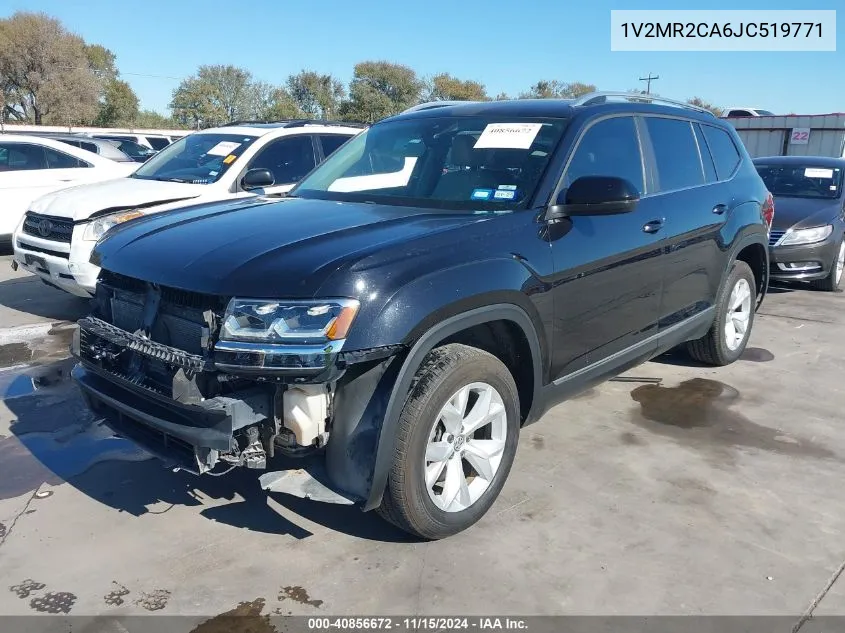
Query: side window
(675,153)
(725,154)
(608,148)
(156,142)
(60,160)
(22,157)
(89,147)
(288,158)
(706,158)
(331,142)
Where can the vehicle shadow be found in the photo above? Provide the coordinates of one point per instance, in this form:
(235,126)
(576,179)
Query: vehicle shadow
(55,440)
(30,295)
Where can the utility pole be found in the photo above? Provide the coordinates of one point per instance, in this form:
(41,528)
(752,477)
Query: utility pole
(648,81)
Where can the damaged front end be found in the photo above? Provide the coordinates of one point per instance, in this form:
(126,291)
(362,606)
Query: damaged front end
(178,373)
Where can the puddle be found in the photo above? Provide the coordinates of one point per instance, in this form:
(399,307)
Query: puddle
(53,602)
(114,598)
(30,460)
(757,355)
(155,600)
(26,587)
(300,595)
(14,354)
(699,411)
(245,618)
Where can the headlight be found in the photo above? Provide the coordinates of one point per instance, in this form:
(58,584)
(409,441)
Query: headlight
(288,321)
(806,236)
(97,228)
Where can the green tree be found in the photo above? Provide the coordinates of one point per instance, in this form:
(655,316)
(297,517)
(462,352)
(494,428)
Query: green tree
(315,95)
(282,106)
(380,89)
(101,61)
(149,119)
(701,103)
(445,87)
(215,95)
(119,106)
(554,89)
(45,72)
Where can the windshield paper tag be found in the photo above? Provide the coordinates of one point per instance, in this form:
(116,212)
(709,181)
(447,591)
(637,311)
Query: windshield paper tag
(223,148)
(504,194)
(481,194)
(508,136)
(229,159)
(815,172)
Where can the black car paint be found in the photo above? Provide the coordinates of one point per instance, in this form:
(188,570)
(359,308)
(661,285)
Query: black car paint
(588,296)
(805,212)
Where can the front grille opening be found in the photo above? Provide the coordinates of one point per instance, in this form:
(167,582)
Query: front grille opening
(48,227)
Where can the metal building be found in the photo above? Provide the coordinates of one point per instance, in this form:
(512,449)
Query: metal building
(792,135)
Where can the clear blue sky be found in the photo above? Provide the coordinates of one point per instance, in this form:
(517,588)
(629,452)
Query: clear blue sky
(506,45)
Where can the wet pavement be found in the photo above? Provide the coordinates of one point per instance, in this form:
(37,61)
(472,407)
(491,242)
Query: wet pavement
(712,492)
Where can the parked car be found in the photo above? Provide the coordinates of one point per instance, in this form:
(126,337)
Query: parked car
(735,111)
(137,152)
(151,141)
(31,166)
(230,162)
(401,329)
(106,149)
(809,225)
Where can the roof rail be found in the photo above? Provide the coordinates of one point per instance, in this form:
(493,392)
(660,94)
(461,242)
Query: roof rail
(594,98)
(435,104)
(294,123)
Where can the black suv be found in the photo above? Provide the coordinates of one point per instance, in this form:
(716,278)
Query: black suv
(440,281)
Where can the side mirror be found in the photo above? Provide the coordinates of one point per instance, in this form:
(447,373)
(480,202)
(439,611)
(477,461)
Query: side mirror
(257,179)
(596,195)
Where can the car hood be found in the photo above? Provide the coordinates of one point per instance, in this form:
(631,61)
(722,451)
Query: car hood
(803,212)
(82,201)
(260,247)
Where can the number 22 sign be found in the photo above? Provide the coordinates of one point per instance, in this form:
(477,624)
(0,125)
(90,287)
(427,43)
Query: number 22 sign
(799,136)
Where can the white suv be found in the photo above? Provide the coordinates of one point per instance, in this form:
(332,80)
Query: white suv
(58,233)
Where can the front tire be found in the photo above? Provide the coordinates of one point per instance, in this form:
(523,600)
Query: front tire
(832,281)
(726,340)
(455,445)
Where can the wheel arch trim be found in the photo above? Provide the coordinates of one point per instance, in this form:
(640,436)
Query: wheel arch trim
(413,361)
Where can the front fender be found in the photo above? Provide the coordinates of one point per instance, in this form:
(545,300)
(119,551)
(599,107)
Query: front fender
(404,374)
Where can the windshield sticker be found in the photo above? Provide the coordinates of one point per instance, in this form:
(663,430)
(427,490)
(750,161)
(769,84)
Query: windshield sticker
(223,148)
(507,187)
(815,172)
(229,159)
(833,187)
(508,136)
(504,194)
(212,173)
(481,194)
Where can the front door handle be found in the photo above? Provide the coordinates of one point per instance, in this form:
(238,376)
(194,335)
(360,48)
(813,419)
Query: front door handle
(719,209)
(654,226)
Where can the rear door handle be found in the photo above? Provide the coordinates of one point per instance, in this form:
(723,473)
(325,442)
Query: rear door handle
(654,226)
(719,209)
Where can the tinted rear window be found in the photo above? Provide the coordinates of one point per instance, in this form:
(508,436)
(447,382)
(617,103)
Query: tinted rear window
(722,148)
(706,158)
(675,153)
(331,142)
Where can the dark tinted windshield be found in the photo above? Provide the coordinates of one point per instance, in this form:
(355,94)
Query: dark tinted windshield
(444,162)
(197,158)
(802,181)
(134,150)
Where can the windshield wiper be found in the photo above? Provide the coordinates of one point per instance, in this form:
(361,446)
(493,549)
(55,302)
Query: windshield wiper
(163,179)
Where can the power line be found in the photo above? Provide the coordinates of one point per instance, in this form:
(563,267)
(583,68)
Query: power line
(648,81)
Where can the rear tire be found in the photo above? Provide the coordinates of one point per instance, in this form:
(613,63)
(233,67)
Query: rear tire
(724,342)
(437,447)
(832,281)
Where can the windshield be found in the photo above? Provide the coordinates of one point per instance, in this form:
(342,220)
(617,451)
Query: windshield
(802,181)
(444,162)
(134,150)
(197,158)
